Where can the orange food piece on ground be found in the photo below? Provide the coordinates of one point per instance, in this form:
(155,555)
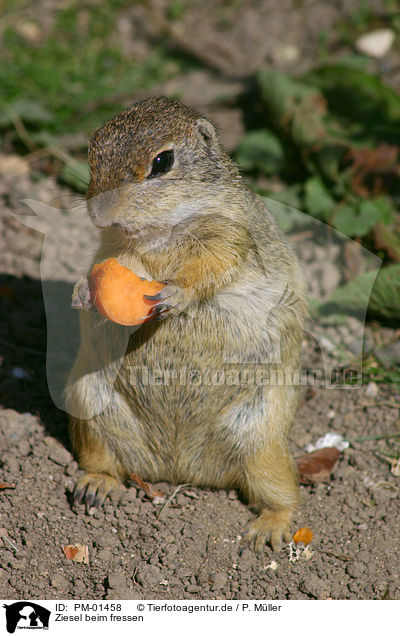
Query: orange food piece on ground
(303,535)
(117,293)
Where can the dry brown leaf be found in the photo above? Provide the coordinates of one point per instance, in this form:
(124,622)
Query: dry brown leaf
(317,466)
(303,535)
(152,494)
(375,163)
(78,553)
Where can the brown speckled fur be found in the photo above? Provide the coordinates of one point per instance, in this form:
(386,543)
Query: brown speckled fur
(236,300)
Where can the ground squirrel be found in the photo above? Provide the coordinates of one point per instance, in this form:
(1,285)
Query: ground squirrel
(172,206)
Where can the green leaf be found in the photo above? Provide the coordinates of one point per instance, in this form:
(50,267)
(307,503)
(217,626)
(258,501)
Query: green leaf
(294,107)
(386,209)
(355,94)
(359,220)
(261,150)
(29,111)
(328,159)
(76,173)
(280,92)
(388,240)
(290,196)
(345,219)
(355,60)
(317,198)
(381,296)
(385,298)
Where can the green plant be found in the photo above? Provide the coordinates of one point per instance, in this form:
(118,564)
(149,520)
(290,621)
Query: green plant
(73,77)
(336,132)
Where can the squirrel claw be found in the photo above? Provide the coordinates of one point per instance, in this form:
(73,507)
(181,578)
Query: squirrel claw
(154,298)
(78,494)
(155,312)
(93,489)
(272,525)
(171,299)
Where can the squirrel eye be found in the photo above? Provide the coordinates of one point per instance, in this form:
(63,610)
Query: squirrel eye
(162,163)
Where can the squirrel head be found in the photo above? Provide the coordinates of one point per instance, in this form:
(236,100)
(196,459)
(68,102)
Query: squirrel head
(156,164)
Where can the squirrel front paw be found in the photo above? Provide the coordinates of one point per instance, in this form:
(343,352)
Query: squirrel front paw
(93,488)
(81,296)
(170,301)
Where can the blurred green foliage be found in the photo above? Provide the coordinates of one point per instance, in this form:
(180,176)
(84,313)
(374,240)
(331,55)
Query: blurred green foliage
(333,137)
(77,75)
(356,294)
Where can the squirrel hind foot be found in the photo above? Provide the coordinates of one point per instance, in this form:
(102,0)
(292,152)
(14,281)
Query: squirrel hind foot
(93,489)
(271,524)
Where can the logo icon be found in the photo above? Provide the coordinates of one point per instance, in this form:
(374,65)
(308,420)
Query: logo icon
(26,615)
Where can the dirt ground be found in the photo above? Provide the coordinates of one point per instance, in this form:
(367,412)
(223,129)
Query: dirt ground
(189,548)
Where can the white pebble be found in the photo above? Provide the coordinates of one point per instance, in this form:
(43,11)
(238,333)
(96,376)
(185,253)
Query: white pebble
(372,389)
(376,43)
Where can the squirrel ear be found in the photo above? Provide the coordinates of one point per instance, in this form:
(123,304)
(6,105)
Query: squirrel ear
(206,130)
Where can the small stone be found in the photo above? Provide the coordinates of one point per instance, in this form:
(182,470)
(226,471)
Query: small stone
(58,581)
(376,43)
(314,586)
(353,587)
(31,32)
(372,389)
(286,54)
(15,165)
(193,589)
(355,570)
(79,587)
(20,555)
(246,559)
(371,568)
(326,344)
(60,455)
(218,580)
(272,566)
(105,555)
(17,564)
(42,569)
(24,447)
(184,573)
(149,575)
(71,469)
(117,579)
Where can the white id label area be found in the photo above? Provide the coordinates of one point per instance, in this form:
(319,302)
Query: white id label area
(88,617)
